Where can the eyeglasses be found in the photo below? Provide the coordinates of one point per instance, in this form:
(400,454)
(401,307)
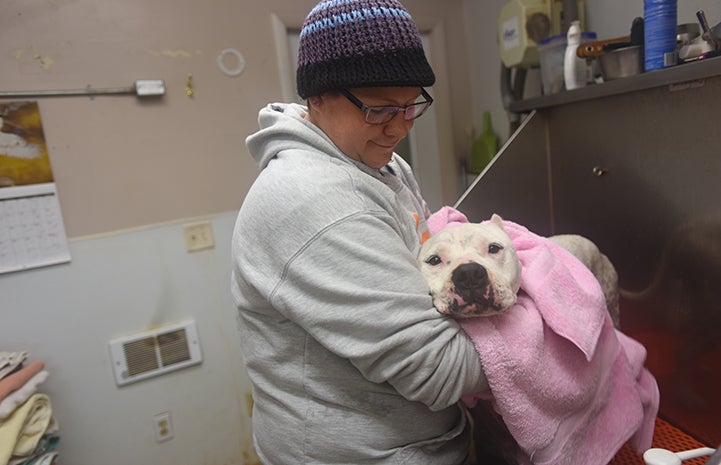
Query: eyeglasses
(383,114)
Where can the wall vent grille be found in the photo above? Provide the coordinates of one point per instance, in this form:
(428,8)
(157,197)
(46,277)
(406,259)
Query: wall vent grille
(156,352)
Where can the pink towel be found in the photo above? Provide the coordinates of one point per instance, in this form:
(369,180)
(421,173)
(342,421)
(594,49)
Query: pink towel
(20,377)
(20,395)
(570,388)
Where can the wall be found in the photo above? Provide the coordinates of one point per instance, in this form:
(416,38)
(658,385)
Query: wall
(129,174)
(117,285)
(177,156)
(608,18)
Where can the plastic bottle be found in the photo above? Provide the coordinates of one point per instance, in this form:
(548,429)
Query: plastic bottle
(660,18)
(574,68)
(484,147)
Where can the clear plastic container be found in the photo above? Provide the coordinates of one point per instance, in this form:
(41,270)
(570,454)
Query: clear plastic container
(550,54)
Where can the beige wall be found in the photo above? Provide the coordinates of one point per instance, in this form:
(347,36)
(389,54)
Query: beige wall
(119,162)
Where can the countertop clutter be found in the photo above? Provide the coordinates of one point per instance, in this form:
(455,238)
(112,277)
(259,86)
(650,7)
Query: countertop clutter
(28,430)
(689,74)
(656,42)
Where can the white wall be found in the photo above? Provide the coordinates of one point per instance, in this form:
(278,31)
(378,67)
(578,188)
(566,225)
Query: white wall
(608,18)
(118,285)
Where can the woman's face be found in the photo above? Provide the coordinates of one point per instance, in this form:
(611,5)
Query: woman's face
(344,122)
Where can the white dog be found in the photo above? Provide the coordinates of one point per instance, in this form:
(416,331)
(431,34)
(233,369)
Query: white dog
(588,253)
(472,269)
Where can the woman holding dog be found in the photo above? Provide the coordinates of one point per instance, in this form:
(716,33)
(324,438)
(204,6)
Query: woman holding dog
(350,362)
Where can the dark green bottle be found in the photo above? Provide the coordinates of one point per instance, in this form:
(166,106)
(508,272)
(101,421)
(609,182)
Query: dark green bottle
(484,147)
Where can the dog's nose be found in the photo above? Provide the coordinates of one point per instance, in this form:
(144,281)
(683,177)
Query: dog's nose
(470,281)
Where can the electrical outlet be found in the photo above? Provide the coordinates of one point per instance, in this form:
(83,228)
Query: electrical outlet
(163,427)
(198,236)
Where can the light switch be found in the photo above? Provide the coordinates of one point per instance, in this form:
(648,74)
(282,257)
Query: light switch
(198,236)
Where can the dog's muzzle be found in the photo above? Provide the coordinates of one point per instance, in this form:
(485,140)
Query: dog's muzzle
(471,284)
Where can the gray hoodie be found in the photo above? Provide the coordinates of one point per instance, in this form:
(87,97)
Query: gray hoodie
(349,361)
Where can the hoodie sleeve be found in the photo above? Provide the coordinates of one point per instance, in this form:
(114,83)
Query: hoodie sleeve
(356,289)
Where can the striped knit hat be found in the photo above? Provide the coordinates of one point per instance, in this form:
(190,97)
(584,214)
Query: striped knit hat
(360,43)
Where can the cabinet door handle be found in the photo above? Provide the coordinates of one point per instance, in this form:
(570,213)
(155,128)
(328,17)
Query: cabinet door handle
(599,171)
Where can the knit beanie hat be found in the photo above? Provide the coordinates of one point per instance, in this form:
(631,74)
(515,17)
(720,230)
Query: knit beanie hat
(360,43)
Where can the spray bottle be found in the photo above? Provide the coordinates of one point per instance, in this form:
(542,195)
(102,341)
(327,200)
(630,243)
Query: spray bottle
(574,67)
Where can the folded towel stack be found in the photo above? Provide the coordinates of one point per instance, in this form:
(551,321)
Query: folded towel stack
(28,431)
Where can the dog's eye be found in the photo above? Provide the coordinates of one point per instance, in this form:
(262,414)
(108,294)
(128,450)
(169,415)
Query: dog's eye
(433,260)
(494,248)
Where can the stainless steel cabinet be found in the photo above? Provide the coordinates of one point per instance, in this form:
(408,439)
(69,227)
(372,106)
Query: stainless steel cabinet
(635,165)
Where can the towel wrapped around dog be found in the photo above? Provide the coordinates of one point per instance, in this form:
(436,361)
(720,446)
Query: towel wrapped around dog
(570,387)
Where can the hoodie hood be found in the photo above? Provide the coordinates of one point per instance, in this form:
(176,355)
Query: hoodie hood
(282,127)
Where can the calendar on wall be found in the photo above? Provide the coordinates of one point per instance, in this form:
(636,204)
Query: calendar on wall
(32,232)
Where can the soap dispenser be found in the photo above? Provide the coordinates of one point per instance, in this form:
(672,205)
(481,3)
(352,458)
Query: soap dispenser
(484,147)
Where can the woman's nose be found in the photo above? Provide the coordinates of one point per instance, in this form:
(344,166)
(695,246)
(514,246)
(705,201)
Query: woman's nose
(399,126)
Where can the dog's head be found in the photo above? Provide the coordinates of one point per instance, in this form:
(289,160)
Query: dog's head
(472,269)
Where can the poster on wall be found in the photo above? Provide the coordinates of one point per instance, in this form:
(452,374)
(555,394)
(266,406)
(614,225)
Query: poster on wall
(32,232)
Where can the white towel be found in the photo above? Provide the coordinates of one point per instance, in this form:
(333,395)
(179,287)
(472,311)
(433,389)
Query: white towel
(11,360)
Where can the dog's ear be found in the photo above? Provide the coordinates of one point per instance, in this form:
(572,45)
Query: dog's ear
(497,220)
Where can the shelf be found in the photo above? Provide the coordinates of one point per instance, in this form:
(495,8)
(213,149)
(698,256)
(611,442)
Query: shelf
(678,74)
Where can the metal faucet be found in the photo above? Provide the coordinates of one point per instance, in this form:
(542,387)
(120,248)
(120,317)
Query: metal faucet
(712,35)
